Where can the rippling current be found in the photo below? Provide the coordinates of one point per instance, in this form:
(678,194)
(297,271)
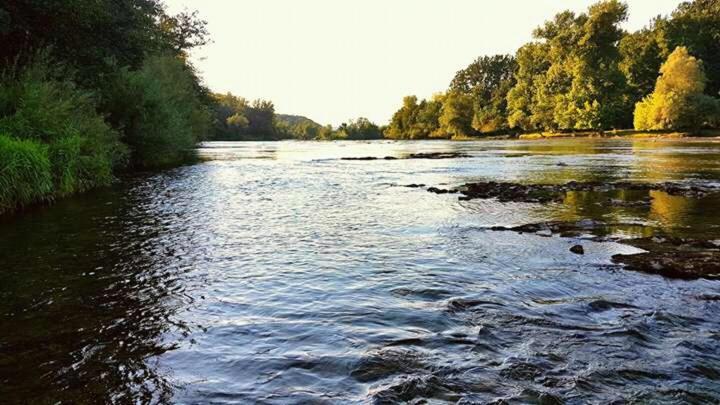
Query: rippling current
(277,273)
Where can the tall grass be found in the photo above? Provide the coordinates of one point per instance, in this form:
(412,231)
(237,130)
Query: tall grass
(25,173)
(57,144)
(57,134)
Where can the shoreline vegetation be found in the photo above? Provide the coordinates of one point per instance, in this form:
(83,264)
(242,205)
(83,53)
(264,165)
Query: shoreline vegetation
(78,109)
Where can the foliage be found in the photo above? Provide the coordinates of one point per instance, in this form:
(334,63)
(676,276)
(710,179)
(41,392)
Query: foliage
(83,81)
(416,120)
(696,26)
(571,78)
(456,115)
(641,57)
(359,129)
(86,34)
(261,118)
(296,127)
(581,72)
(678,101)
(25,173)
(488,80)
(40,103)
(159,111)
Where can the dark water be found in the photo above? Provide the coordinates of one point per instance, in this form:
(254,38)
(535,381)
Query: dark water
(276,273)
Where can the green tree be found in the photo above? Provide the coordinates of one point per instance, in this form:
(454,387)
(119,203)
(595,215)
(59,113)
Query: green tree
(416,120)
(523,104)
(159,112)
(261,119)
(229,117)
(641,58)
(570,78)
(361,128)
(488,79)
(457,114)
(696,26)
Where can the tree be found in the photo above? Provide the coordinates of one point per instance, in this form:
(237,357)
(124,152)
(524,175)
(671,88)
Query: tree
(261,117)
(488,79)
(159,112)
(696,26)
(641,58)
(522,100)
(678,101)
(361,128)
(570,77)
(416,120)
(456,116)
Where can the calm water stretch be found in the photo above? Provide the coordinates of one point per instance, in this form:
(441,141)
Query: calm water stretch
(277,273)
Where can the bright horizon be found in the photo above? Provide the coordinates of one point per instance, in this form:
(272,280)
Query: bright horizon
(334,60)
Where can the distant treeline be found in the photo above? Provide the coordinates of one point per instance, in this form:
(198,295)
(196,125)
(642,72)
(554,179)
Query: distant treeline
(236,119)
(583,72)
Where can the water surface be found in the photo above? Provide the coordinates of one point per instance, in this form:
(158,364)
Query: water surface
(278,273)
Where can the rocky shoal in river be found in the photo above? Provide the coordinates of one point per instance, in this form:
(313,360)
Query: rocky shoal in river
(664,255)
(672,257)
(547,193)
(425,155)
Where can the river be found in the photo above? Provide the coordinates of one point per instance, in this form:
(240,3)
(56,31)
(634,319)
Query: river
(278,273)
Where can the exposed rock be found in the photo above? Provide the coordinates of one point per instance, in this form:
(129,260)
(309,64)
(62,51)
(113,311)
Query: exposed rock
(437,155)
(442,190)
(361,158)
(673,257)
(667,256)
(429,155)
(546,193)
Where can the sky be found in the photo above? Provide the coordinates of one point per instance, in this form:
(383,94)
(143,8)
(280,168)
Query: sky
(334,60)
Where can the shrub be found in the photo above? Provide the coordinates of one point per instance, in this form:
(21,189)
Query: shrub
(25,173)
(40,103)
(159,111)
(60,145)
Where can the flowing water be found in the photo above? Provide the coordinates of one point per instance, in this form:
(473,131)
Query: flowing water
(277,273)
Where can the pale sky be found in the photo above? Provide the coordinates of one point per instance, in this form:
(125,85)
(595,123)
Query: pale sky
(332,60)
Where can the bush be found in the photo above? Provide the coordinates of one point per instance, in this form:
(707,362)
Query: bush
(42,105)
(25,173)
(159,110)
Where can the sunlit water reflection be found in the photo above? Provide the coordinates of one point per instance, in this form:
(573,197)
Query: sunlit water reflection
(277,273)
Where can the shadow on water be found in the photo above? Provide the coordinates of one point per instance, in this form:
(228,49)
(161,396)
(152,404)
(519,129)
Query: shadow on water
(88,288)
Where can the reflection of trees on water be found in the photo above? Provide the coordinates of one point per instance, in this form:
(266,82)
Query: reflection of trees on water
(625,212)
(88,291)
(669,161)
(686,217)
